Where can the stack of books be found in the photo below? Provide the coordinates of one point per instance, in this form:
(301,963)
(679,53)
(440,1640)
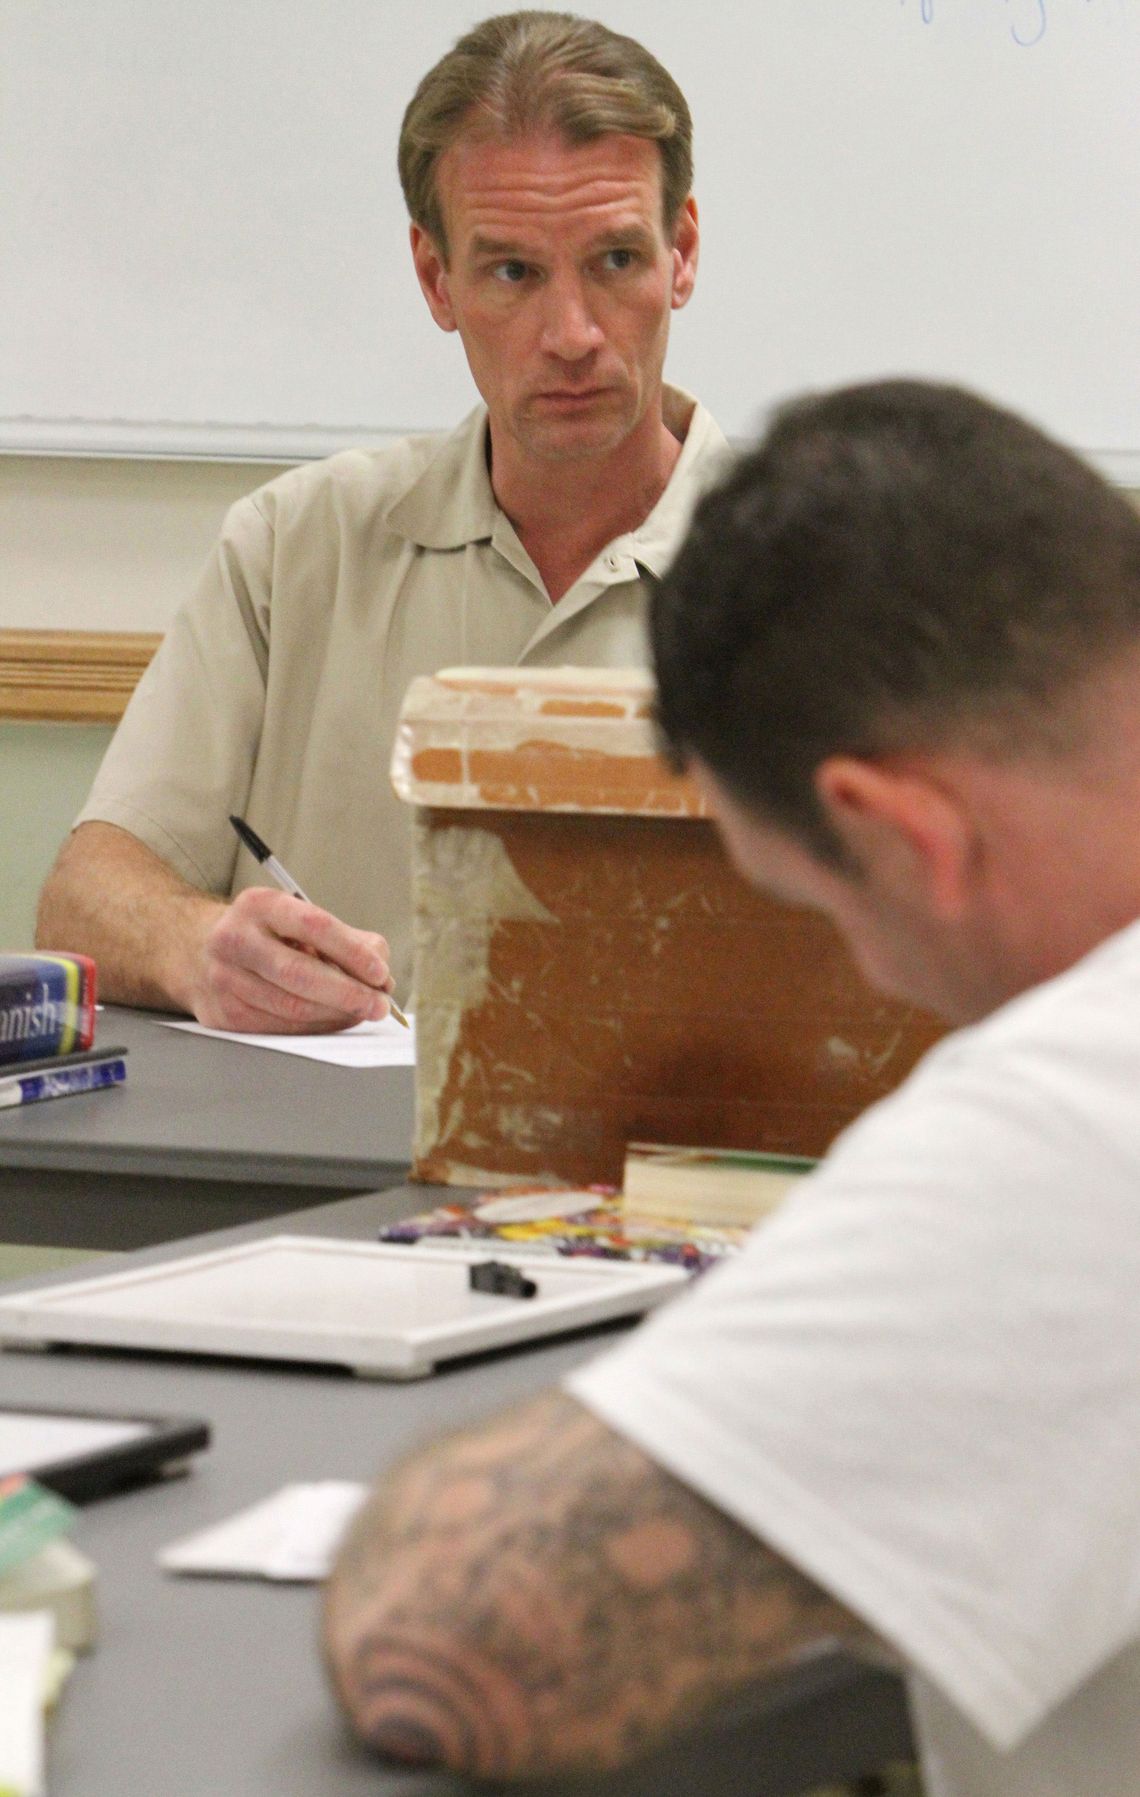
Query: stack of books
(688,1207)
(47,1026)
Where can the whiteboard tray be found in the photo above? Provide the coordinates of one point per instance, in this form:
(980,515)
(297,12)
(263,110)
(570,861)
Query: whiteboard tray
(388,1310)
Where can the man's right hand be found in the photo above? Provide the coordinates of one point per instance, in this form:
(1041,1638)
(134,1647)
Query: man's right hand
(269,962)
(263,962)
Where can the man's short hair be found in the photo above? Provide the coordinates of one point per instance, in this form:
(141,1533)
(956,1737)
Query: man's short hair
(897,565)
(529,72)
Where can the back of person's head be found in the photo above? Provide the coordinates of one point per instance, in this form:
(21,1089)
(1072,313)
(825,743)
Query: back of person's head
(527,73)
(895,566)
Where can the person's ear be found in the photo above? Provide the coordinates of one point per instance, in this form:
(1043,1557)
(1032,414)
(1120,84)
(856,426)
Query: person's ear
(910,832)
(686,251)
(431,272)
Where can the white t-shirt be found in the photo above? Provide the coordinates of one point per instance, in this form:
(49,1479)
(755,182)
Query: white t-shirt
(920,1383)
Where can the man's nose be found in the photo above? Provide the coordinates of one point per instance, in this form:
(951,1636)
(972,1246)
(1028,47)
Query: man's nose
(569,329)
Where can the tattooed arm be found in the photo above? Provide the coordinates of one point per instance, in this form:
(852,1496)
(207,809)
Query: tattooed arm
(538,1596)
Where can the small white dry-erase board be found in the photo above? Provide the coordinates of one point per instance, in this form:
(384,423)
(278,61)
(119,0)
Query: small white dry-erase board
(382,1309)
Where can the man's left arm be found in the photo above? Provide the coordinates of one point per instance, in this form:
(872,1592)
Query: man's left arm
(538,1596)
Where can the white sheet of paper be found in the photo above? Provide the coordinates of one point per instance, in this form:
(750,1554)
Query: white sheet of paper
(385,1044)
(292,1535)
(26,1643)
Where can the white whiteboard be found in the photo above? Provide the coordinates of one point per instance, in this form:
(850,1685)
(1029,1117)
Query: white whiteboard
(203,245)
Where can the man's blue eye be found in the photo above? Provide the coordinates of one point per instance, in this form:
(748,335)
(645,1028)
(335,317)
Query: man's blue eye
(618,259)
(511,272)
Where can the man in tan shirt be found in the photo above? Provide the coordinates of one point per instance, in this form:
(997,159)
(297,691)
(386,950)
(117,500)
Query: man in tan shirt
(547,167)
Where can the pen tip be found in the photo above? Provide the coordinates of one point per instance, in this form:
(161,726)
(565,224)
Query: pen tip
(250,838)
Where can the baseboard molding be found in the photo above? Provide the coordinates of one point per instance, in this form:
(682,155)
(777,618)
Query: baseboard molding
(71,676)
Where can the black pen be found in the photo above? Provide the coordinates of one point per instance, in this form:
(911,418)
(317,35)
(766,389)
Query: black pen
(282,877)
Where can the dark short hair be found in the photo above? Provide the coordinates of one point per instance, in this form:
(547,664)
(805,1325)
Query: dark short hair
(895,565)
(525,72)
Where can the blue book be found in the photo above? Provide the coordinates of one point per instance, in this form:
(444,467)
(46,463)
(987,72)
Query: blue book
(47,1005)
(59,1076)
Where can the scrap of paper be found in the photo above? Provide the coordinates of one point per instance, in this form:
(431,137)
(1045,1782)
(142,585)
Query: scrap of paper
(292,1535)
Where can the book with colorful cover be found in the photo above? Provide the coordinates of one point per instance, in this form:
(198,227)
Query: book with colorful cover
(47,1005)
(592,1221)
(61,1076)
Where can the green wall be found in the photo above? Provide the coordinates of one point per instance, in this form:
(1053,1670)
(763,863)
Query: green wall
(45,772)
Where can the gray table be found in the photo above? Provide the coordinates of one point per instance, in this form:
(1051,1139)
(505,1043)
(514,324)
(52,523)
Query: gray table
(212,1688)
(204,1134)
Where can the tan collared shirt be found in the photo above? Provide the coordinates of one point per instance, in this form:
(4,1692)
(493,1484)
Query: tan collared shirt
(277,690)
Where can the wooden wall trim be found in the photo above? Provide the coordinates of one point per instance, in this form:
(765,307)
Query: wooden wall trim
(71,676)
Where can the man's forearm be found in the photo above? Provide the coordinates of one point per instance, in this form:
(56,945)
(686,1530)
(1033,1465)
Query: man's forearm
(111,897)
(539,1596)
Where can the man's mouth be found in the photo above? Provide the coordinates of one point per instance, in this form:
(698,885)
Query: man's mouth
(569,397)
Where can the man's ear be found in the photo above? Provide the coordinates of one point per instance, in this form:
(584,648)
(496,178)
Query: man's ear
(909,831)
(686,250)
(431,271)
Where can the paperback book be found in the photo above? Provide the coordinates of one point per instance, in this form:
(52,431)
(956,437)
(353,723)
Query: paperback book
(47,1005)
(60,1076)
(724,1187)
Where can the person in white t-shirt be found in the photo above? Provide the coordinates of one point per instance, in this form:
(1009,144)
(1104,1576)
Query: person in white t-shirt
(900,651)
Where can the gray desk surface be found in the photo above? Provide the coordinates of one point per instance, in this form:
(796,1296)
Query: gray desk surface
(241,1132)
(197,1107)
(213,1688)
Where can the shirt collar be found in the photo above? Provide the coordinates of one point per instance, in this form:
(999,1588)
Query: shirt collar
(703,446)
(452,503)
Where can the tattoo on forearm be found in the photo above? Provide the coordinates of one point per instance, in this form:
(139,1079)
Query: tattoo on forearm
(540,1595)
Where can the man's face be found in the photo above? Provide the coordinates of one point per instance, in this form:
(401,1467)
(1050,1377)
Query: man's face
(898,942)
(560,281)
